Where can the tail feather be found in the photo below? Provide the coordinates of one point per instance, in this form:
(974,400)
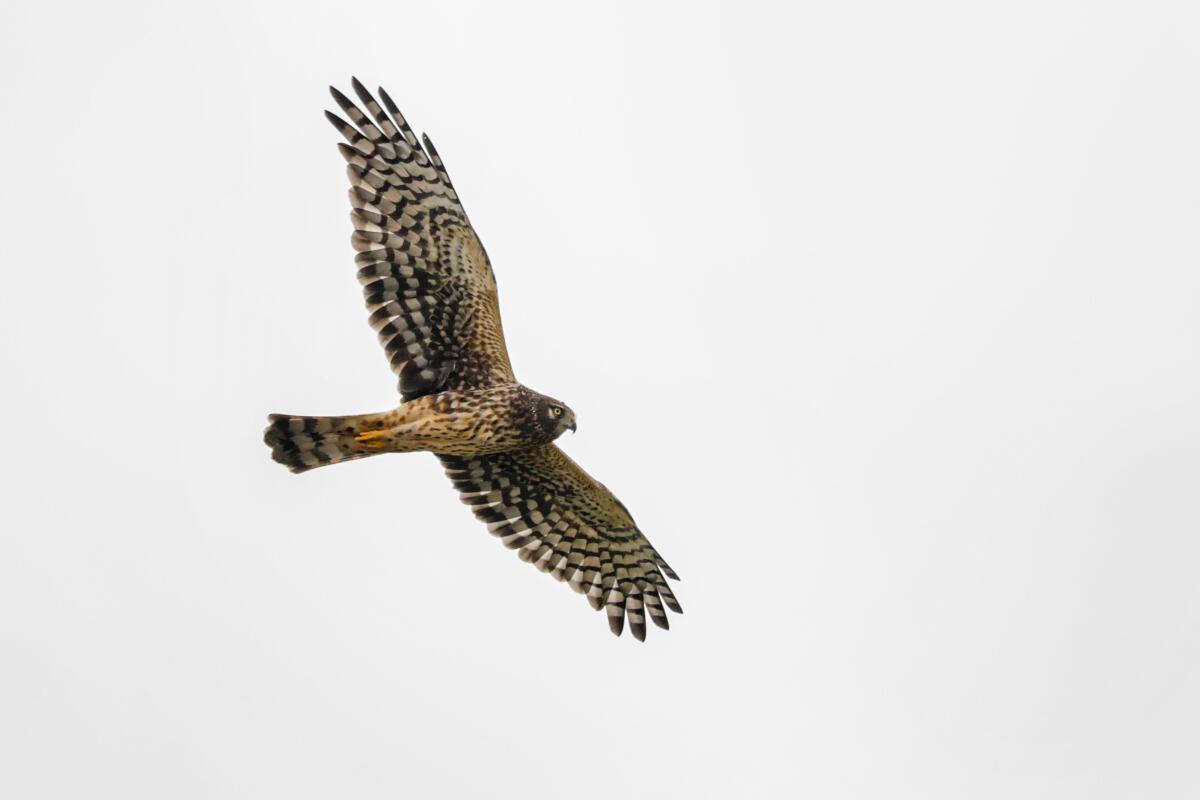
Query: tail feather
(304,443)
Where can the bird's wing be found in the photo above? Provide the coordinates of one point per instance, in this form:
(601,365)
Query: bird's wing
(568,524)
(427,280)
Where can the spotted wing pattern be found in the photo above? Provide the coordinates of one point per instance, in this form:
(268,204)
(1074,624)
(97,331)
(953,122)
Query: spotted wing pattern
(426,278)
(540,502)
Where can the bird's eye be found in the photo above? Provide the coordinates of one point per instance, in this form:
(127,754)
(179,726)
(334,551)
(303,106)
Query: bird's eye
(556,411)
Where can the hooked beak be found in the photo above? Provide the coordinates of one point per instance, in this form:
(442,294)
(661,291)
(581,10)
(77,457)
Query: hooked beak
(571,427)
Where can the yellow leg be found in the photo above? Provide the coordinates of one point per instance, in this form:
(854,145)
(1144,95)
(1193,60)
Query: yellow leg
(374,440)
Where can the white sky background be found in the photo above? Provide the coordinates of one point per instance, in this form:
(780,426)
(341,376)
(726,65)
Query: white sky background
(881,318)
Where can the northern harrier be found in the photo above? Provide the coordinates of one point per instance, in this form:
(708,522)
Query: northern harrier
(432,299)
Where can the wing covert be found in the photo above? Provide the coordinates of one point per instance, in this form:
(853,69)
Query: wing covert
(541,503)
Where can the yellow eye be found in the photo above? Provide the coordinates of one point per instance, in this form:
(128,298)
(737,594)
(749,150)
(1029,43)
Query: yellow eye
(556,411)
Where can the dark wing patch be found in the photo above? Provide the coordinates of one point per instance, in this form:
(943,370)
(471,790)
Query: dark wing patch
(426,278)
(564,522)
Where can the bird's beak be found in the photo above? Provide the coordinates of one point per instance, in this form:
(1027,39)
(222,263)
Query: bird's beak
(571,427)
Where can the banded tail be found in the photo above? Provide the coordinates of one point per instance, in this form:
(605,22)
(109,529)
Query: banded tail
(304,443)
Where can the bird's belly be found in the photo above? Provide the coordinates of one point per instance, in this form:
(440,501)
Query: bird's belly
(439,425)
(468,435)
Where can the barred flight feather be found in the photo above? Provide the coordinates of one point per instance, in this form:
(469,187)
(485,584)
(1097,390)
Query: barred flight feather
(427,281)
(564,522)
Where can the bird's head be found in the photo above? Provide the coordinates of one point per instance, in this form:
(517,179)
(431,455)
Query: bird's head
(554,417)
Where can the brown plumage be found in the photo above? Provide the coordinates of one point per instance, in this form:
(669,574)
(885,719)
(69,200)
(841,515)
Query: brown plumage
(431,297)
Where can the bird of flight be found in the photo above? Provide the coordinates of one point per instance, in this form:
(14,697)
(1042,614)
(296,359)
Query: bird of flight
(431,295)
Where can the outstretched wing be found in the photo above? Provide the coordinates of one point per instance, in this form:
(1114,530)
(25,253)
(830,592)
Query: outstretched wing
(568,524)
(427,280)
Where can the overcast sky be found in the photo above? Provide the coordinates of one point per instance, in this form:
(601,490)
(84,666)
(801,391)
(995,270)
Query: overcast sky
(882,319)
